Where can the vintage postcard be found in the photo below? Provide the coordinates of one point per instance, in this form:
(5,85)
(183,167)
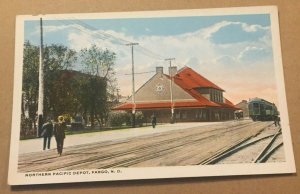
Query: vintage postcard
(146,95)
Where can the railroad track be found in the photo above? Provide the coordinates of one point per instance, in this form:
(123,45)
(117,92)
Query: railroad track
(269,150)
(107,156)
(146,151)
(263,155)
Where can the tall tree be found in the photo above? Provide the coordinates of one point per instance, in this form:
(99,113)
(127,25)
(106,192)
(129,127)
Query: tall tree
(59,89)
(30,83)
(58,96)
(98,63)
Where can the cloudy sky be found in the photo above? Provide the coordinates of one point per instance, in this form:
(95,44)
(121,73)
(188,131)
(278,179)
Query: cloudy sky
(235,52)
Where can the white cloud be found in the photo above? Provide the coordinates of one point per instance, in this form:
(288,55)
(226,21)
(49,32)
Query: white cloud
(52,29)
(224,64)
(253,28)
(207,33)
(192,61)
(247,50)
(235,32)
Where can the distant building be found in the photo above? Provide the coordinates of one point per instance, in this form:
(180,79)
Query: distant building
(192,97)
(243,106)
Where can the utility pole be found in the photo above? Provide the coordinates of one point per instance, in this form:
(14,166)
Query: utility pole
(171,87)
(133,85)
(118,99)
(41,83)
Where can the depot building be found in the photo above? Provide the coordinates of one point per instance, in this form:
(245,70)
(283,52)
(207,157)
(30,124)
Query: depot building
(185,94)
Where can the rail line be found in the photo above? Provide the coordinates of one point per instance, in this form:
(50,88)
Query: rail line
(268,150)
(165,147)
(262,157)
(82,149)
(147,152)
(99,159)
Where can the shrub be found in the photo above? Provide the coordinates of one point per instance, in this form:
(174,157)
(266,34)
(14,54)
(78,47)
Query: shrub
(122,117)
(139,119)
(117,118)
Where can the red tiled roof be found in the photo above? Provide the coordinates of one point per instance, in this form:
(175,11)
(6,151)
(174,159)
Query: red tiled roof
(228,104)
(188,80)
(192,79)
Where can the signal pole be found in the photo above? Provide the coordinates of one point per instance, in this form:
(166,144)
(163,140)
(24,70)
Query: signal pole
(41,83)
(171,88)
(133,85)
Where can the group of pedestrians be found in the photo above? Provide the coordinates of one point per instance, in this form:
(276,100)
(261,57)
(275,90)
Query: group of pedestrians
(58,130)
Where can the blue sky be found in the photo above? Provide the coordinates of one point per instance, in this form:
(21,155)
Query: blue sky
(228,50)
(153,26)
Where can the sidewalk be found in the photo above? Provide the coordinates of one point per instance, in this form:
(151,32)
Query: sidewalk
(35,145)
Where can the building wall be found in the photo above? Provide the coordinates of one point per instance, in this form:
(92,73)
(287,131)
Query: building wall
(158,89)
(190,115)
(243,105)
(212,94)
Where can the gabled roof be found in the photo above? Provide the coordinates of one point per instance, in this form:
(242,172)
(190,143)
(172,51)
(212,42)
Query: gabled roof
(190,79)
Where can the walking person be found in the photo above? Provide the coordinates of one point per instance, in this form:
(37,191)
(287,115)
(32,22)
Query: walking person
(275,118)
(153,121)
(278,121)
(59,132)
(47,132)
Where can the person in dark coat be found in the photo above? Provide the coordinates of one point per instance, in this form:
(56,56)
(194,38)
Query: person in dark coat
(59,132)
(153,121)
(47,132)
(278,121)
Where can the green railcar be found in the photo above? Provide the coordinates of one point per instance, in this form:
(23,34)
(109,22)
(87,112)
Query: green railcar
(262,110)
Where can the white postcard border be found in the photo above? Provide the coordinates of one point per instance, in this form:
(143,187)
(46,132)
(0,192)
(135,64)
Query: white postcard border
(16,178)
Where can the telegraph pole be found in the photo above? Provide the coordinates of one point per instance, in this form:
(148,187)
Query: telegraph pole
(171,88)
(41,83)
(133,85)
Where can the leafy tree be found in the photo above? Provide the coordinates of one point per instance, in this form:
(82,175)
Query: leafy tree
(68,92)
(59,88)
(58,98)
(30,84)
(98,64)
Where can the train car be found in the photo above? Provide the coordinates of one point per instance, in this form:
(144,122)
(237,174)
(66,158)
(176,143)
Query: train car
(262,110)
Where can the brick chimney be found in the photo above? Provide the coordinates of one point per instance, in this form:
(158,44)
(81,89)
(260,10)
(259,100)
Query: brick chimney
(159,70)
(173,70)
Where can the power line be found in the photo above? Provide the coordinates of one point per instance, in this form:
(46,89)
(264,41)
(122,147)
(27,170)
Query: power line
(158,55)
(145,72)
(106,36)
(103,36)
(140,48)
(150,53)
(103,33)
(78,28)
